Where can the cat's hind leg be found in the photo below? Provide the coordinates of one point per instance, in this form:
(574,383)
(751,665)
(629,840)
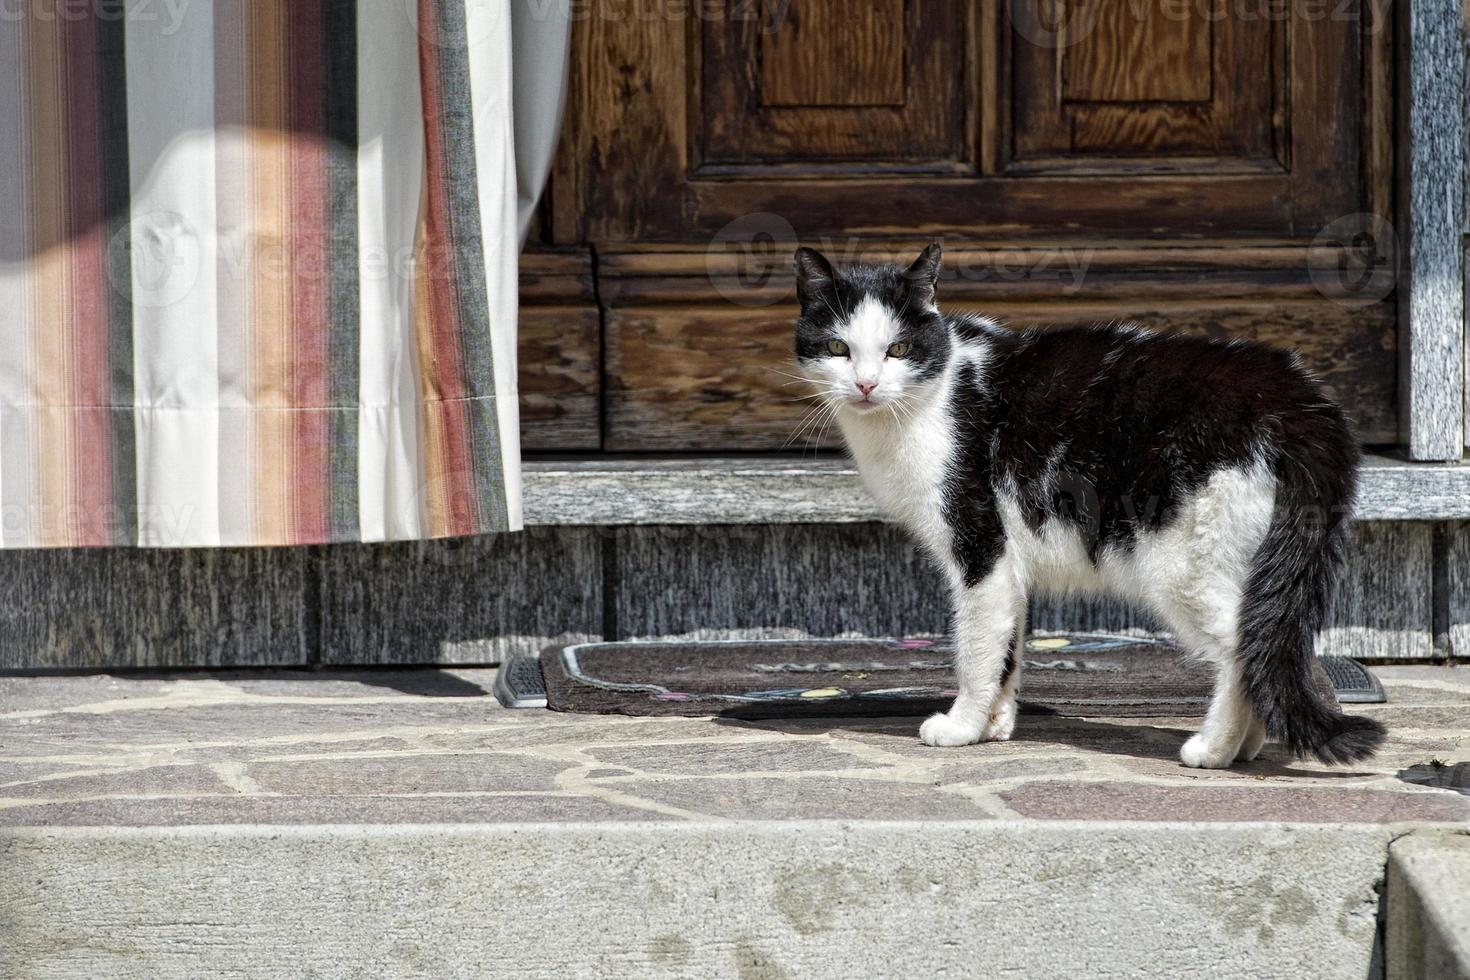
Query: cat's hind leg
(986,620)
(1202,615)
(1227,724)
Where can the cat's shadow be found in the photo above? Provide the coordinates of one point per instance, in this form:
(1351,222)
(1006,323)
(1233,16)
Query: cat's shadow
(1135,738)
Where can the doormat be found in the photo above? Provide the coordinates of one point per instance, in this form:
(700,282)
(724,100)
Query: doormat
(1093,675)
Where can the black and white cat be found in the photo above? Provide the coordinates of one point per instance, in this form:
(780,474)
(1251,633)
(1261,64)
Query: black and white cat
(1210,481)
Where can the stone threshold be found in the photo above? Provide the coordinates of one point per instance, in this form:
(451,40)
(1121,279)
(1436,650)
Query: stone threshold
(826,490)
(402,823)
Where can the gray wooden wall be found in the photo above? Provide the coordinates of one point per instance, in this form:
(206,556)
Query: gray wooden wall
(1407,596)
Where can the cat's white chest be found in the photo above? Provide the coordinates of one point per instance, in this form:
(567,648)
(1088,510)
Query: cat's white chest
(904,468)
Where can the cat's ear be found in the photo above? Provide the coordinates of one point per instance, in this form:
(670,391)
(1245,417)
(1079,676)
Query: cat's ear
(919,284)
(816,280)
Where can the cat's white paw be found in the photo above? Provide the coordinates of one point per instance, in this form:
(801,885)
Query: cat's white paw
(1201,754)
(1002,722)
(942,730)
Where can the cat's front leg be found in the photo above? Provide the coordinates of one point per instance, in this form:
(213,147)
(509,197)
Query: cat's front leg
(986,620)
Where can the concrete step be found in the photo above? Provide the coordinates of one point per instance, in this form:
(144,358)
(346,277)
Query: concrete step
(1428,898)
(401,823)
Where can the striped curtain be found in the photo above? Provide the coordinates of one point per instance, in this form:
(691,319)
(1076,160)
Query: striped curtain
(257,271)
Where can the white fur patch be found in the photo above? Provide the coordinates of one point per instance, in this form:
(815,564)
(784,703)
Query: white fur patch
(868,332)
(1191,573)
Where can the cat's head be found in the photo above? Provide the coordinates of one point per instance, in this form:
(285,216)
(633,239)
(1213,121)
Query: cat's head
(869,337)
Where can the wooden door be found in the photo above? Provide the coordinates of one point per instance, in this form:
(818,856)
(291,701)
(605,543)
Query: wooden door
(1208,165)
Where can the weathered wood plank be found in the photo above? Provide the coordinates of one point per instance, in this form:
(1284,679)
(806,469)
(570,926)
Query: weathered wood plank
(715,378)
(1457,588)
(695,491)
(1384,605)
(132,607)
(774,581)
(1393,490)
(623,151)
(825,490)
(1050,613)
(560,351)
(867,579)
(1432,172)
(560,347)
(471,600)
(1142,53)
(979,271)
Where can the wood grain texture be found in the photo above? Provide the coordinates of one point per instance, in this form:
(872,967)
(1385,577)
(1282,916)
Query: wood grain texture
(560,347)
(1384,605)
(1457,588)
(135,607)
(705,378)
(1141,79)
(470,600)
(622,156)
(832,81)
(1092,203)
(834,53)
(759,490)
(1180,130)
(716,378)
(980,271)
(1082,613)
(812,489)
(1391,489)
(1431,173)
(867,579)
(560,352)
(774,581)
(1148,51)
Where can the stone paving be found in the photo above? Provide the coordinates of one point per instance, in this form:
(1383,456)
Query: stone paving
(433,746)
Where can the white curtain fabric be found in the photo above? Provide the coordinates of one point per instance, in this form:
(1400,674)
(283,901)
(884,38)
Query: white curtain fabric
(258,275)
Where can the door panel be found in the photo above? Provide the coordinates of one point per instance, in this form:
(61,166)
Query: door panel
(1151,78)
(862,84)
(1197,146)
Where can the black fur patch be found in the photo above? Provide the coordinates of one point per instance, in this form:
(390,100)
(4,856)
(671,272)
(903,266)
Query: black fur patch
(1109,431)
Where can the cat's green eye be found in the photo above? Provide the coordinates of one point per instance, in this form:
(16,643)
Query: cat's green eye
(837,348)
(898,350)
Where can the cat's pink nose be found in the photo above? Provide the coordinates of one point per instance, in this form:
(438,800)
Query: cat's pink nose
(866,387)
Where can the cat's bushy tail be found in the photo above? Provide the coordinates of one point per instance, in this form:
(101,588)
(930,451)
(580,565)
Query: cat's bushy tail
(1286,599)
